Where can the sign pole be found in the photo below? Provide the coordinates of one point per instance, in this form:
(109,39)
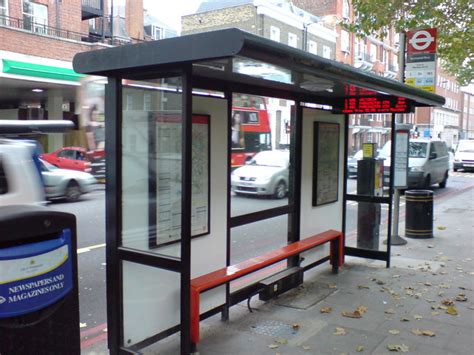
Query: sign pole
(396,239)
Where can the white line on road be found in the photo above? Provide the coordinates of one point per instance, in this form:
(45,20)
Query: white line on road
(92,247)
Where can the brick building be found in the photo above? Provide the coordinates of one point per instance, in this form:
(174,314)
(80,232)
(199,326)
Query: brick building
(39,38)
(467,113)
(280,21)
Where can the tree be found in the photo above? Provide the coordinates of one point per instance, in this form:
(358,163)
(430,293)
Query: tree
(452,18)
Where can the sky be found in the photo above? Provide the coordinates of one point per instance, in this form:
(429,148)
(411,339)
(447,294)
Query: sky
(170,11)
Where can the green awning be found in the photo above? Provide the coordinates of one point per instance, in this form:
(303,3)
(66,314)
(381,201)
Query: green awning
(39,71)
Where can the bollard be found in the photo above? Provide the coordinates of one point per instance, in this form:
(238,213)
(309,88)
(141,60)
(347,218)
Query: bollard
(419,214)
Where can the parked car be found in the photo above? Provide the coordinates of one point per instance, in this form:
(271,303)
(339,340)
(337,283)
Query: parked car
(265,174)
(464,155)
(352,164)
(428,163)
(64,183)
(72,158)
(20,177)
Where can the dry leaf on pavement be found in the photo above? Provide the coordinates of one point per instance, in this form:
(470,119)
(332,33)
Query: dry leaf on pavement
(273,346)
(461,297)
(360,348)
(281,341)
(340,331)
(405,319)
(326,310)
(417,316)
(306,347)
(398,347)
(427,333)
(82,325)
(441,228)
(355,314)
(452,310)
(390,311)
(295,326)
(447,302)
(394,331)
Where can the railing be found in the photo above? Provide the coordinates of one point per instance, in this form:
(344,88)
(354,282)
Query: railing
(41,29)
(363,56)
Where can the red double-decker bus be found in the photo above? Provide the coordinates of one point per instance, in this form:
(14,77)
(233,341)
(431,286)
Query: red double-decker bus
(250,128)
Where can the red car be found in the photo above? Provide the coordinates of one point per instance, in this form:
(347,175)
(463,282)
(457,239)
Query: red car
(73,158)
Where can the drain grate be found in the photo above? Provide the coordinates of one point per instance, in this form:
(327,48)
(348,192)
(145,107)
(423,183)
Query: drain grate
(273,329)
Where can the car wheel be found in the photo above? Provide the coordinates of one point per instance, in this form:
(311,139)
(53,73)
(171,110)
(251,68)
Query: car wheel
(455,169)
(280,190)
(442,184)
(73,191)
(427,183)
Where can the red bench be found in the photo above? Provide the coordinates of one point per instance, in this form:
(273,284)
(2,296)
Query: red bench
(222,276)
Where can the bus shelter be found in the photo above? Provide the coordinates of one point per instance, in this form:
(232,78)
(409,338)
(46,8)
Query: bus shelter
(169,137)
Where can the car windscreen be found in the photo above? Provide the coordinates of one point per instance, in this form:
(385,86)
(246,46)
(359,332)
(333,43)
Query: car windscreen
(45,166)
(418,149)
(466,146)
(269,159)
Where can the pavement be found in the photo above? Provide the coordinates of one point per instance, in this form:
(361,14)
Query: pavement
(422,304)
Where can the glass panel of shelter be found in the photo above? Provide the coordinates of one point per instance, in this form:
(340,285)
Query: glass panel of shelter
(368,185)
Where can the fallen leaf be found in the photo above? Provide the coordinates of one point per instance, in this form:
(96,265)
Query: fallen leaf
(281,341)
(296,326)
(444,286)
(471,307)
(416,331)
(435,313)
(390,311)
(380,282)
(362,309)
(326,310)
(306,347)
(404,319)
(396,276)
(360,348)
(273,346)
(430,246)
(332,286)
(452,310)
(398,347)
(441,228)
(427,283)
(355,314)
(428,333)
(417,316)
(340,331)
(360,287)
(461,297)
(82,325)
(447,302)
(394,331)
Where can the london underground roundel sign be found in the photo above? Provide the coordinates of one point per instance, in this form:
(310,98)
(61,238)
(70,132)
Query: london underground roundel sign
(421,41)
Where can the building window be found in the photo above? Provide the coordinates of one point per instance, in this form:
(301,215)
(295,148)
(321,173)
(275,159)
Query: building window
(3,10)
(35,17)
(345,43)
(275,33)
(326,52)
(147,102)
(373,52)
(157,32)
(292,40)
(345,9)
(313,47)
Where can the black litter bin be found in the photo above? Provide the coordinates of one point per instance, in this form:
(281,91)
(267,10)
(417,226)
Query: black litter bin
(419,214)
(39,304)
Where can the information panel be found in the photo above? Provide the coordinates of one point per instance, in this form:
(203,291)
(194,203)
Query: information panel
(325,163)
(401,159)
(168,180)
(374,104)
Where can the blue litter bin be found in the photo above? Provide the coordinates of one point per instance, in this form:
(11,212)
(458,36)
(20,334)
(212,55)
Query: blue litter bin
(39,303)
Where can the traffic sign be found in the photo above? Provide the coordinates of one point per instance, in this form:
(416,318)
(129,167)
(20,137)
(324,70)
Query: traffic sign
(421,41)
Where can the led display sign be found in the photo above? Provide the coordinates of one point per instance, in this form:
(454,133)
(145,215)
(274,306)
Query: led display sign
(374,104)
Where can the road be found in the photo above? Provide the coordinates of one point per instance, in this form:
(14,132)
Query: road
(246,241)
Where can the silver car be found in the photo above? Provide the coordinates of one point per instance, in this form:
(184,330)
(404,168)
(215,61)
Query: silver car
(64,183)
(265,174)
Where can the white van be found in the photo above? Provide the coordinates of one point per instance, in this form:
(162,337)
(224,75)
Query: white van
(20,177)
(428,163)
(464,155)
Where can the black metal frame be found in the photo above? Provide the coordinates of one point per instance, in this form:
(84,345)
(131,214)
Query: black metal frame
(175,57)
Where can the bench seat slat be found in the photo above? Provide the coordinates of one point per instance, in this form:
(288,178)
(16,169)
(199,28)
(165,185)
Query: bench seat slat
(226,274)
